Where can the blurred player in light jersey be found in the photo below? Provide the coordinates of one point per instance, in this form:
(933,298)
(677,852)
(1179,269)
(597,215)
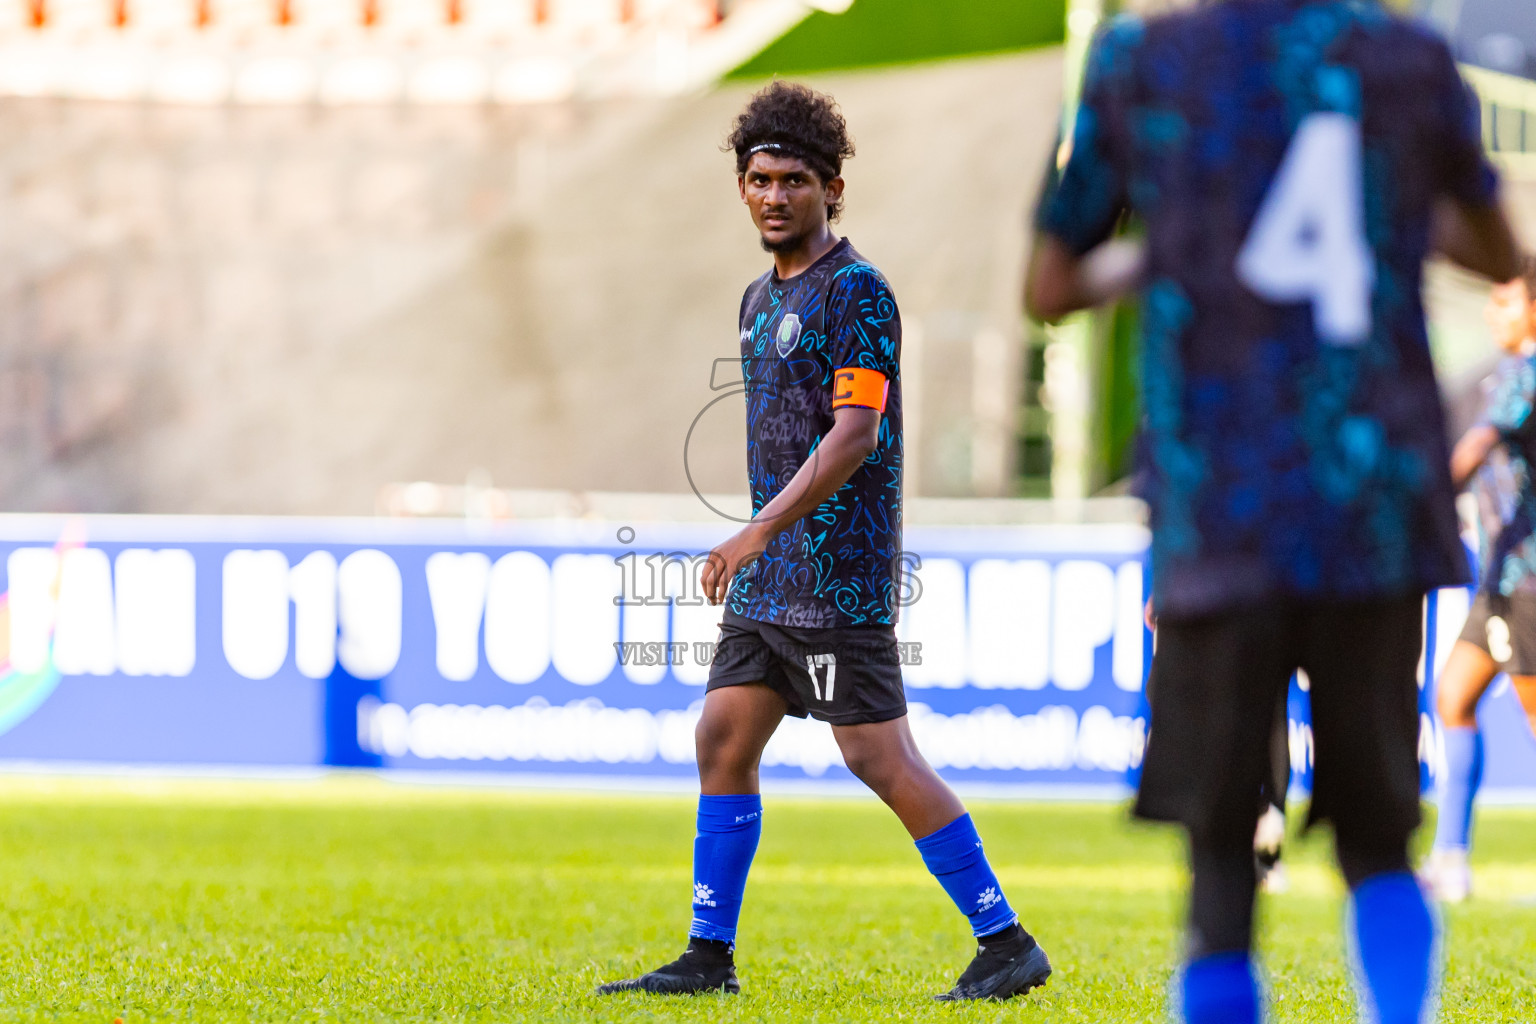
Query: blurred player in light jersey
(1498,456)
(1292,161)
(810,584)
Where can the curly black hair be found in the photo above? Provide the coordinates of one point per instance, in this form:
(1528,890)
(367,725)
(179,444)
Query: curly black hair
(794,120)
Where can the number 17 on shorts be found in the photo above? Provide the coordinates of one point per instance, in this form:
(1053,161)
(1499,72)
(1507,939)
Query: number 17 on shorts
(823,670)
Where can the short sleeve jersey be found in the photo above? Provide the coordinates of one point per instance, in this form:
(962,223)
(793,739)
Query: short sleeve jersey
(828,337)
(1506,497)
(1285,157)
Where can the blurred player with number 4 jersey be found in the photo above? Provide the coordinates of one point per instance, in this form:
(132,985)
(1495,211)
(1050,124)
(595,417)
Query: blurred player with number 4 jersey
(1293,162)
(811,585)
(1498,456)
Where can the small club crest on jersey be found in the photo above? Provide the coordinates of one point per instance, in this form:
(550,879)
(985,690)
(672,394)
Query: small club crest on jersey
(789,334)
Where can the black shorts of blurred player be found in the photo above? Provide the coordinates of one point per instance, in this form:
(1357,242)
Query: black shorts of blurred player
(847,676)
(1220,682)
(1499,636)
(1269,836)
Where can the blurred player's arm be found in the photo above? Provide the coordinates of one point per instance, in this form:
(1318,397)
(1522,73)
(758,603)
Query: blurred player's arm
(1076,262)
(1472,451)
(1509,415)
(1469,227)
(854,435)
(1060,282)
(1478,238)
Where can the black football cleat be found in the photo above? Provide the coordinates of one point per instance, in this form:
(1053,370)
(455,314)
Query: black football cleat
(1007,964)
(706,966)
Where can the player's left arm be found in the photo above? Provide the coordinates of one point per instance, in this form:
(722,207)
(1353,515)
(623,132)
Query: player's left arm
(1477,238)
(1471,227)
(854,436)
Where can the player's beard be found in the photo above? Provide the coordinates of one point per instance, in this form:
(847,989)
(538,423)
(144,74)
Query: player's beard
(787,244)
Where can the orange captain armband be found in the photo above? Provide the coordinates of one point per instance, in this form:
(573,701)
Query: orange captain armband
(856,385)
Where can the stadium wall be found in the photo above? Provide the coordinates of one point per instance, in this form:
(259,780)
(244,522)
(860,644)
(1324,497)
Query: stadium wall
(562,651)
(283,310)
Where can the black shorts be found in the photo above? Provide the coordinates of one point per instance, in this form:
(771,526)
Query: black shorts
(1219,683)
(1505,630)
(845,676)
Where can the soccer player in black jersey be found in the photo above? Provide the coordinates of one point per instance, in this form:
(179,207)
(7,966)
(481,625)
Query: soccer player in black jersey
(1292,162)
(810,584)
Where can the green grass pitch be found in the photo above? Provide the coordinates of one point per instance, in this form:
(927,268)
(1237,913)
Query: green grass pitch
(358,900)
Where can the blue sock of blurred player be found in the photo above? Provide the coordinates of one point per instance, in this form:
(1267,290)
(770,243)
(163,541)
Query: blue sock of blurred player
(1394,942)
(955,857)
(1458,788)
(1218,985)
(728,830)
(1220,989)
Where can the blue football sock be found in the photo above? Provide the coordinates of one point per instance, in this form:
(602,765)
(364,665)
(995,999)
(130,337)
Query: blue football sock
(729,828)
(1394,943)
(1219,989)
(1458,787)
(955,857)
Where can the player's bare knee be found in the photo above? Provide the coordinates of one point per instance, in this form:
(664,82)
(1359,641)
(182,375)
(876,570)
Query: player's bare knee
(860,757)
(878,768)
(864,766)
(709,734)
(709,744)
(1455,708)
(717,750)
(723,750)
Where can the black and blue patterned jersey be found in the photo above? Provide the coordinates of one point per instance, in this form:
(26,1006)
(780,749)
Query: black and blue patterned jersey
(828,337)
(1285,157)
(1504,486)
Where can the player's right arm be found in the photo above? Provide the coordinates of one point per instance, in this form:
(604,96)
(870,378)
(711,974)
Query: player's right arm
(854,435)
(1511,404)
(1061,282)
(1073,265)
(1471,452)
(864,339)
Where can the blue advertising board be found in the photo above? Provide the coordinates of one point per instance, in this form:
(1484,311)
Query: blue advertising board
(567,648)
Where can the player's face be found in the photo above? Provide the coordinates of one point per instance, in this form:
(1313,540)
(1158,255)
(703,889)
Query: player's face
(787,200)
(1511,315)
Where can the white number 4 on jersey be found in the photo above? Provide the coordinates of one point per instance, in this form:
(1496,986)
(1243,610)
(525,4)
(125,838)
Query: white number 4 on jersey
(1308,242)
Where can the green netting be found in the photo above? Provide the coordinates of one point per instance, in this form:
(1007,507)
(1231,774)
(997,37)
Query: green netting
(880,32)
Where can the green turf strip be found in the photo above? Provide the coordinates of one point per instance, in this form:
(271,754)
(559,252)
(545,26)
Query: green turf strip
(879,32)
(359,901)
